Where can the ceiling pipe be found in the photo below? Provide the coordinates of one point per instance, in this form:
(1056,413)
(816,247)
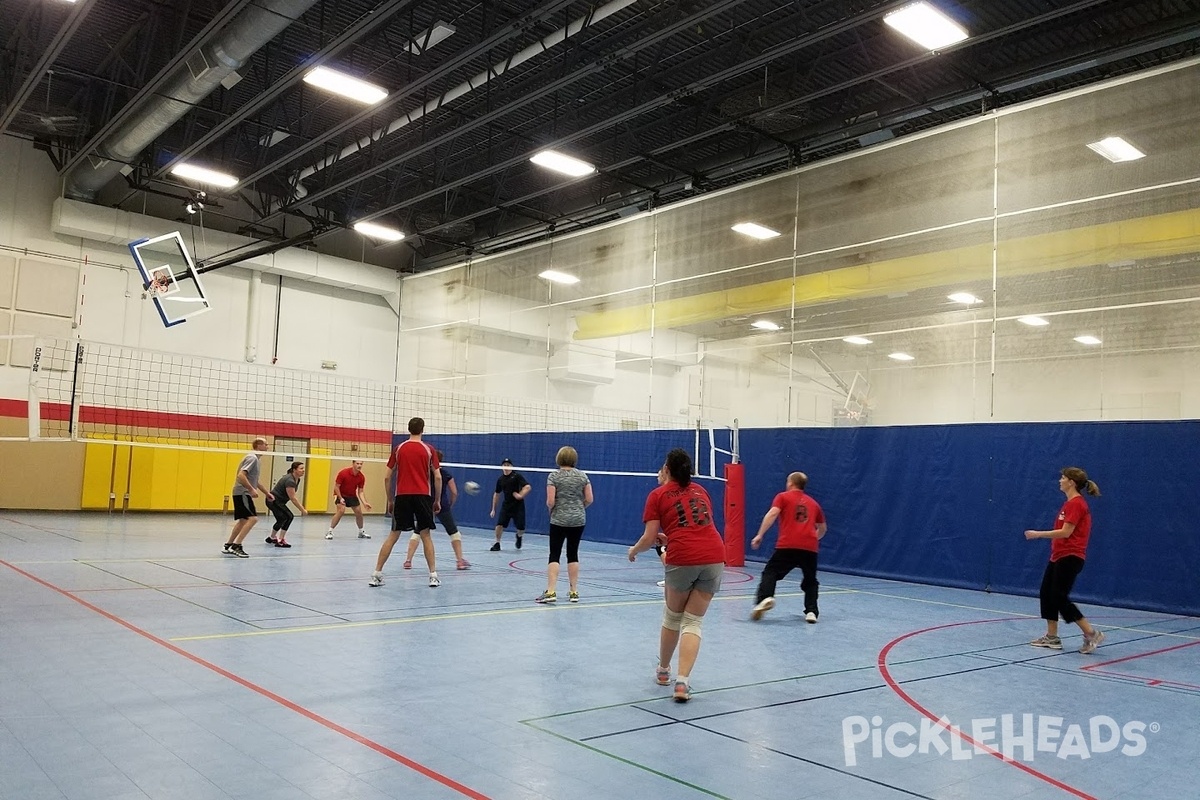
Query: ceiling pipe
(466,87)
(194,80)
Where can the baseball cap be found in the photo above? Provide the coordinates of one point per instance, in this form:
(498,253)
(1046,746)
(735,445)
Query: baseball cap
(506,461)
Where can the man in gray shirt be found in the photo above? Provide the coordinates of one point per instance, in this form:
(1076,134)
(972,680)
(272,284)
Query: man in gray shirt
(246,486)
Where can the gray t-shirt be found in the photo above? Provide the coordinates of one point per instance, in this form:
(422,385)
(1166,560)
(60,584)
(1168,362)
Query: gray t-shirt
(568,508)
(288,481)
(250,466)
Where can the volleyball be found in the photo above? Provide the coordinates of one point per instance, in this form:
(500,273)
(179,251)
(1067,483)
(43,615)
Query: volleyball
(472,487)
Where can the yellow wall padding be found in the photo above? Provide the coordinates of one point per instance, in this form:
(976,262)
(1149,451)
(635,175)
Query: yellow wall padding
(1145,237)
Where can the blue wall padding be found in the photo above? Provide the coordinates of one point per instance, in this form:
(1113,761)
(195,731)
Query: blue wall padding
(945,505)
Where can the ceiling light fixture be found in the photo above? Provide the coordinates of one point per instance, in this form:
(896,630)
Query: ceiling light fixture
(856,340)
(755,231)
(1116,149)
(1033,322)
(966,298)
(901,357)
(345,85)
(558,277)
(1087,338)
(380,232)
(926,25)
(559,162)
(765,325)
(203,175)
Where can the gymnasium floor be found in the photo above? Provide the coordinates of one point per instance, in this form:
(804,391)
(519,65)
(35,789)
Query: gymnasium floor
(136,661)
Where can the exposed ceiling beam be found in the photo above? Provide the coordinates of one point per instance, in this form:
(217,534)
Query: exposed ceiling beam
(61,38)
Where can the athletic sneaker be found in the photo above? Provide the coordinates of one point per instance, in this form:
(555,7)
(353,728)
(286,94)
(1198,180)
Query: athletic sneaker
(228,549)
(810,618)
(238,551)
(364,535)
(434,581)
(376,579)
(408,565)
(546,597)
(519,538)
(1052,642)
(662,676)
(463,564)
(282,543)
(329,535)
(573,597)
(1090,643)
(270,540)
(763,607)
(662,584)
(683,692)
(494,548)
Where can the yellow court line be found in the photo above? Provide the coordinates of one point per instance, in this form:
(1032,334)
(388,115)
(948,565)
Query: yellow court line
(438,617)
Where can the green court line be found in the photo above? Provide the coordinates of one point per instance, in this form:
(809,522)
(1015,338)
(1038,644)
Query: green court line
(628,762)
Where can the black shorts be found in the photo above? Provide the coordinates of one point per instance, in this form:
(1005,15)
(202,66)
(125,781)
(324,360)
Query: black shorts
(350,502)
(446,517)
(412,512)
(243,507)
(514,513)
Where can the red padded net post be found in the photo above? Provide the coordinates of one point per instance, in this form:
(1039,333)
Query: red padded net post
(735,515)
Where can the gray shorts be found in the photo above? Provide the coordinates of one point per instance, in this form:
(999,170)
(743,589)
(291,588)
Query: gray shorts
(701,577)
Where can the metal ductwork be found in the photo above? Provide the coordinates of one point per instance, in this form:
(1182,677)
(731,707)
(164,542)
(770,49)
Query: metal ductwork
(195,79)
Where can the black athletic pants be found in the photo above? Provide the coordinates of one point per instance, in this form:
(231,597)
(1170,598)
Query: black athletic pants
(1057,582)
(781,563)
(283,516)
(570,535)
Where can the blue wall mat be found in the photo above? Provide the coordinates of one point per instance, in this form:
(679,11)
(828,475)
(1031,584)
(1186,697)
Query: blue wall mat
(949,504)
(939,504)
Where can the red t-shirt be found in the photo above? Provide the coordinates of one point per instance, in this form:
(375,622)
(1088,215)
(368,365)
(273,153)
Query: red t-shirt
(685,514)
(1076,511)
(799,516)
(348,483)
(417,464)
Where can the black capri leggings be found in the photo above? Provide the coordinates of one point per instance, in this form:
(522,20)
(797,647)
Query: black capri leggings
(560,534)
(283,516)
(1055,594)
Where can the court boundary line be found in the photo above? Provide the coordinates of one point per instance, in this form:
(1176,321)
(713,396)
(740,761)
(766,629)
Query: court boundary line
(325,722)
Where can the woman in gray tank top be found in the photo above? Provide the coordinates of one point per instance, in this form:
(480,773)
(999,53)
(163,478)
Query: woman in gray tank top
(568,494)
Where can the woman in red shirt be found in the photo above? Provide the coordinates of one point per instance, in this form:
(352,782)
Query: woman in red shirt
(681,511)
(1068,548)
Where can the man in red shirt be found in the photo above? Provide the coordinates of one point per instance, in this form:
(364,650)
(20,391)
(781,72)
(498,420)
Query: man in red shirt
(801,526)
(348,493)
(418,480)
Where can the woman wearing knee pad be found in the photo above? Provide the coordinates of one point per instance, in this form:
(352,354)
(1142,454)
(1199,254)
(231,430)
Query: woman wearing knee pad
(695,562)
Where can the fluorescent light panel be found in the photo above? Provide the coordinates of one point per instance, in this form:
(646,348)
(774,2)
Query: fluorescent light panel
(440,32)
(901,357)
(966,298)
(345,85)
(765,325)
(1116,149)
(559,162)
(381,232)
(754,230)
(1034,322)
(1087,338)
(856,340)
(926,26)
(558,277)
(209,177)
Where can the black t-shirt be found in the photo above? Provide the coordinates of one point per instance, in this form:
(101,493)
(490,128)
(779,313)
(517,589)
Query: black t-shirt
(509,485)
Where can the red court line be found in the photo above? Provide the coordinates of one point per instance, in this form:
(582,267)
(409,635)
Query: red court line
(450,783)
(1145,680)
(895,686)
(1141,655)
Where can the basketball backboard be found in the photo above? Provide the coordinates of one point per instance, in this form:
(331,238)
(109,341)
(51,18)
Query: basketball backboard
(169,278)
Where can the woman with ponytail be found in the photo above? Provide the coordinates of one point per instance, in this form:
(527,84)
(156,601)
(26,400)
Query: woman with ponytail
(1068,549)
(681,510)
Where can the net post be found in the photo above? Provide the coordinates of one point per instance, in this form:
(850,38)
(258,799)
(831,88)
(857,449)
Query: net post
(34,411)
(735,515)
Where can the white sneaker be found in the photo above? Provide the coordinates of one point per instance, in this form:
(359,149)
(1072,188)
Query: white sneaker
(434,581)
(810,618)
(364,535)
(662,583)
(376,579)
(329,535)
(766,605)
